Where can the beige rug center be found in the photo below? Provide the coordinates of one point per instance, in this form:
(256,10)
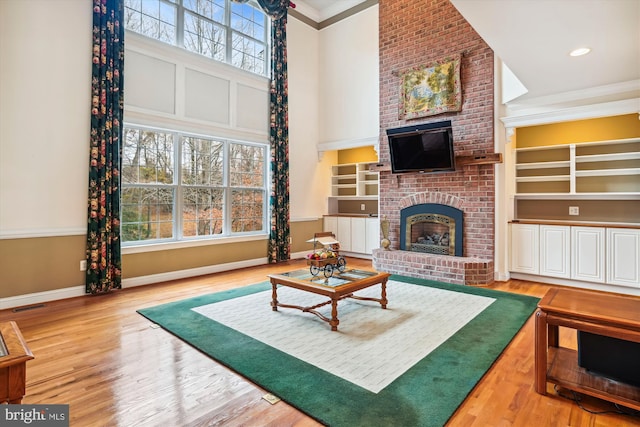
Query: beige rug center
(372,346)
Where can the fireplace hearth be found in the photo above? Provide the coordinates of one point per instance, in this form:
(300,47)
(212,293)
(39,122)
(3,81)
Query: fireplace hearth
(433,214)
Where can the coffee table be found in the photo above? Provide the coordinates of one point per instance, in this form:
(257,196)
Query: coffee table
(336,288)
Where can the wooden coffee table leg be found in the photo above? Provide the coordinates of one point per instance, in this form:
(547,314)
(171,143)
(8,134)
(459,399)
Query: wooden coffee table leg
(274,296)
(383,296)
(334,315)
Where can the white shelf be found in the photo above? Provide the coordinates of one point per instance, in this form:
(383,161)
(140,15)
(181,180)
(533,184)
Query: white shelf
(545,178)
(543,165)
(614,161)
(354,180)
(354,197)
(608,172)
(578,196)
(607,157)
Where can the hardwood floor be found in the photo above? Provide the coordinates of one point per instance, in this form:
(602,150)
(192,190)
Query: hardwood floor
(114,368)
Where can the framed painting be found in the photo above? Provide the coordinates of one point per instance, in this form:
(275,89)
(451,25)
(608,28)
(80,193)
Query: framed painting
(430,90)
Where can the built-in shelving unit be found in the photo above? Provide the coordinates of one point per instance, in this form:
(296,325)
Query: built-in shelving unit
(602,169)
(354,180)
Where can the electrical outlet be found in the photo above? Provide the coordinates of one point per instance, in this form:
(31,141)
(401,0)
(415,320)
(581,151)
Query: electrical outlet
(83,265)
(362,207)
(574,210)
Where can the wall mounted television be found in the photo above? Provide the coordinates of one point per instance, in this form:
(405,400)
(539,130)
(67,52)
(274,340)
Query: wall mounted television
(422,148)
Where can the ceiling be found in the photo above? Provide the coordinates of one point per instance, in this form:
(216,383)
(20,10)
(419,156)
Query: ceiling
(534,37)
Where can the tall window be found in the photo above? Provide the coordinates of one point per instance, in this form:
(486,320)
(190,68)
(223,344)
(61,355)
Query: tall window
(182,187)
(235,33)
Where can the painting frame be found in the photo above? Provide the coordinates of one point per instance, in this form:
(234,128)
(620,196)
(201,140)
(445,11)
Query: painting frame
(432,89)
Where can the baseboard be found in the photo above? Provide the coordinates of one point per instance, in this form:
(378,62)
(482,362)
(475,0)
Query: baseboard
(78,291)
(577,284)
(192,272)
(41,297)
(501,276)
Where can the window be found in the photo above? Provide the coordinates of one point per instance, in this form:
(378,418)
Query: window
(217,188)
(235,33)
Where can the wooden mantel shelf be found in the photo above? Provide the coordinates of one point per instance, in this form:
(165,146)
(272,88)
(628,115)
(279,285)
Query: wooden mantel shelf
(484,159)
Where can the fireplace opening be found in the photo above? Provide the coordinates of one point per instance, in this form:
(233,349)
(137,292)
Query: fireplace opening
(431,228)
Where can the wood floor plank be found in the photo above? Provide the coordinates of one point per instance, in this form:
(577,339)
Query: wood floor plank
(114,368)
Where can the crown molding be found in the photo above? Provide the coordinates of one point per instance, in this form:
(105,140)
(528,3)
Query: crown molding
(336,13)
(348,143)
(583,112)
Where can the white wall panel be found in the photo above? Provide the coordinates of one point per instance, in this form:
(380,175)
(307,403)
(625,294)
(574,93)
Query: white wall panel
(252,108)
(206,97)
(149,83)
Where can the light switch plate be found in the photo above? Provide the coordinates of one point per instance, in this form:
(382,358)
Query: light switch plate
(574,210)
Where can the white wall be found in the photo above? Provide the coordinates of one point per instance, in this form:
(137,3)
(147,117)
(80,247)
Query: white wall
(349,77)
(310,176)
(45,87)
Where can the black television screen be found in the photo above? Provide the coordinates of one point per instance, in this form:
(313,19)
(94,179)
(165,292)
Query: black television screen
(421,150)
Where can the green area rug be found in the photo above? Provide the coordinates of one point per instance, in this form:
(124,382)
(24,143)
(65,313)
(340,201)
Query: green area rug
(425,395)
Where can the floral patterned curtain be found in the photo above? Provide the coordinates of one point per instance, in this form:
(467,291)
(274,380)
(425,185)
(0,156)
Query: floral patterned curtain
(103,230)
(279,247)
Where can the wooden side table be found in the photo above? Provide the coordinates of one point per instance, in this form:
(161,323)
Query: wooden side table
(14,355)
(610,315)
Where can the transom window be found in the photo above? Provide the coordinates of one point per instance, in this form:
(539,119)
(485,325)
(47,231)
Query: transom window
(177,186)
(235,33)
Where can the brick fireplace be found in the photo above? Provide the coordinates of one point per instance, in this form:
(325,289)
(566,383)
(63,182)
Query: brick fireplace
(467,270)
(416,34)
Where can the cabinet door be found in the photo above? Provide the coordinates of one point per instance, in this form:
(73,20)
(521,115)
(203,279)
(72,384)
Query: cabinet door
(344,233)
(358,235)
(373,235)
(623,257)
(555,251)
(587,248)
(525,245)
(331,224)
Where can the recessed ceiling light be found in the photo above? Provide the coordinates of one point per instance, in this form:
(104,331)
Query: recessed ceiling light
(580,51)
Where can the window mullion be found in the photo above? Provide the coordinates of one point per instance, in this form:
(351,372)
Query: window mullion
(229,32)
(180,25)
(226,209)
(178,205)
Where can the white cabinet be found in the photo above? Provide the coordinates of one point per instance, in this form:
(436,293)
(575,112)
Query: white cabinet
(372,235)
(344,233)
(603,255)
(331,224)
(587,248)
(555,254)
(525,243)
(358,235)
(623,257)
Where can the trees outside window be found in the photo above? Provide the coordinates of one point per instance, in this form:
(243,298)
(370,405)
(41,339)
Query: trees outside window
(226,31)
(180,187)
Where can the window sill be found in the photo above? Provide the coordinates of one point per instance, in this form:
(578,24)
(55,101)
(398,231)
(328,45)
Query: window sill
(154,247)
